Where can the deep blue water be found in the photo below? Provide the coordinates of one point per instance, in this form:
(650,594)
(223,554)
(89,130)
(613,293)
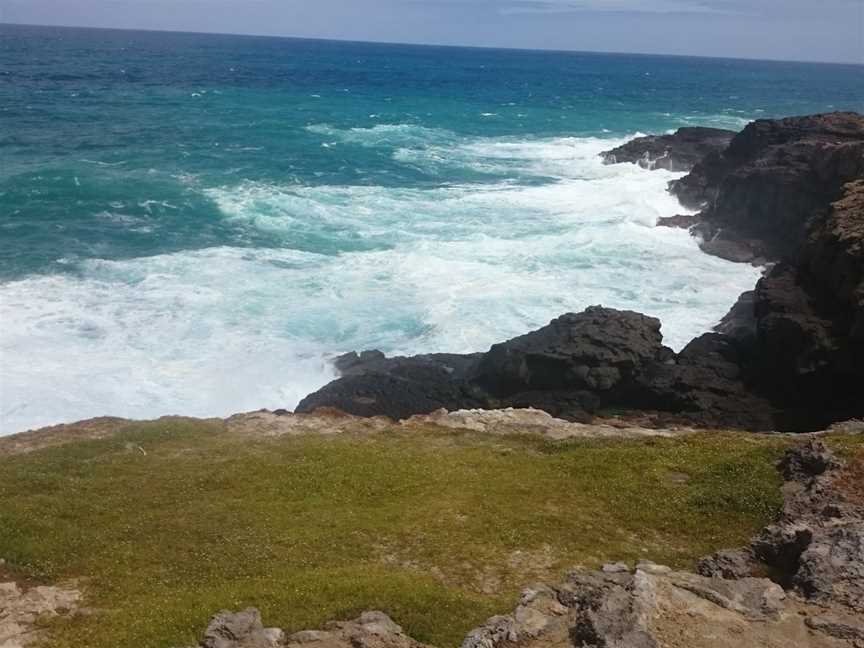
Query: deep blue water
(194,223)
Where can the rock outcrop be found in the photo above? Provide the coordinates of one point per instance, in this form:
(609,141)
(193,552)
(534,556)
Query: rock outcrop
(645,609)
(576,366)
(775,177)
(791,191)
(817,545)
(679,151)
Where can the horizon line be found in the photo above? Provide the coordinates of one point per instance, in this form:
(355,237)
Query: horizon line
(439,45)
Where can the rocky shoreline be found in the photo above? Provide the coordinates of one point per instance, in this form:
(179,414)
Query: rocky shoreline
(788,194)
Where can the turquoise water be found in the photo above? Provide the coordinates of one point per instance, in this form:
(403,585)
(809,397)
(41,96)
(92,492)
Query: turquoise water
(195,224)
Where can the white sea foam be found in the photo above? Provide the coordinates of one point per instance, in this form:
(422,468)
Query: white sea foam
(453,268)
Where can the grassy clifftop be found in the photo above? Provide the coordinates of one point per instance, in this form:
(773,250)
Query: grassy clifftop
(163,523)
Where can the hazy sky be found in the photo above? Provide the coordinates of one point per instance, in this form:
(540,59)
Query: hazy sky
(826,30)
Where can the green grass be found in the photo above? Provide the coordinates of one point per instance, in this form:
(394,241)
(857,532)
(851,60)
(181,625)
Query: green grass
(439,529)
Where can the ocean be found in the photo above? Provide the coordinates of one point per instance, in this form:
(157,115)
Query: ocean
(196,224)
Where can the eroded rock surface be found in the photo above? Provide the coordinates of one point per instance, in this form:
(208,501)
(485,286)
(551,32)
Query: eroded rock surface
(776,175)
(533,421)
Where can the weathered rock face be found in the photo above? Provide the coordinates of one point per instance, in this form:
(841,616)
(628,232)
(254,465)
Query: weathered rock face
(775,177)
(680,151)
(810,321)
(245,630)
(727,563)
(708,384)
(793,190)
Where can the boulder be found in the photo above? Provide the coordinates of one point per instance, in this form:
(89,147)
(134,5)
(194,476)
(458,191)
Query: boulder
(679,151)
(593,351)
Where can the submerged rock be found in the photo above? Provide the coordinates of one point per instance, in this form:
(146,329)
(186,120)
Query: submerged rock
(679,151)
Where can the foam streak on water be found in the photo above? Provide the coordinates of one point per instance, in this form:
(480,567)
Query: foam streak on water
(404,269)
